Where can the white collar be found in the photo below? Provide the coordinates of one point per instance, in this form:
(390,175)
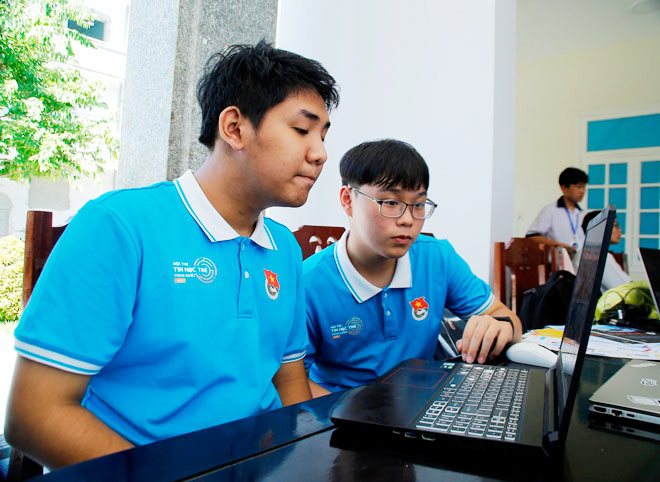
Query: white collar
(361,289)
(212,223)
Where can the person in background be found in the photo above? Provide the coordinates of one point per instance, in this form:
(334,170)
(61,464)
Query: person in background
(175,307)
(614,275)
(377,296)
(558,223)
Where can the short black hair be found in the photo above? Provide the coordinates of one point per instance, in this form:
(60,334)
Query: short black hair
(572,175)
(588,217)
(255,79)
(387,163)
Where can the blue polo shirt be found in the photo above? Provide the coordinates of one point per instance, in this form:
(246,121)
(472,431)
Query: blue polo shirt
(358,331)
(179,320)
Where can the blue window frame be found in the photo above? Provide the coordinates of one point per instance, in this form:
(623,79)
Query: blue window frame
(608,185)
(630,183)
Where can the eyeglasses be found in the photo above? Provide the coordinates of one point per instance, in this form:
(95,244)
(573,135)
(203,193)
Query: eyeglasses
(391,208)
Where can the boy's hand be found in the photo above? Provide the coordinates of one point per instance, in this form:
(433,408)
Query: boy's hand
(484,338)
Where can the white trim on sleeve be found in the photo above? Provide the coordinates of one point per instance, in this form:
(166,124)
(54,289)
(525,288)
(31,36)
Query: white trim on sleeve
(54,359)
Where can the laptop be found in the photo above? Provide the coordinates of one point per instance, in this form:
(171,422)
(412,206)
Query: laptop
(623,426)
(651,261)
(632,393)
(484,404)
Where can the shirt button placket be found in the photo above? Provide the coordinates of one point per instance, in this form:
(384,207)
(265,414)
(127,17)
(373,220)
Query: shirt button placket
(388,322)
(245,295)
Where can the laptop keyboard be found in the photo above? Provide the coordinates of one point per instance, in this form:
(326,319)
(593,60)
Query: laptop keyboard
(479,401)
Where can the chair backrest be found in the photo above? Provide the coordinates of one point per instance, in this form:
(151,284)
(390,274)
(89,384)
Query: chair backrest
(313,239)
(519,265)
(40,238)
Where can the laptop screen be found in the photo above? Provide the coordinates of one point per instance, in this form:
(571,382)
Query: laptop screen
(651,259)
(581,309)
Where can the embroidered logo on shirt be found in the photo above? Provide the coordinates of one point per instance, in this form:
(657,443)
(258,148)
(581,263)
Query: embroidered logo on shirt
(351,327)
(203,269)
(272,285)
(420,308)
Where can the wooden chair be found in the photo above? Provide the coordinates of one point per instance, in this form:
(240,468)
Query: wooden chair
(519,265)
(313,239)
(40,237)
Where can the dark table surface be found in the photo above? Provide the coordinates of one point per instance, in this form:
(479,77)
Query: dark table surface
(300,443)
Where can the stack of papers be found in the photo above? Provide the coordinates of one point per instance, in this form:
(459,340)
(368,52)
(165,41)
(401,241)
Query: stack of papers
(605,340)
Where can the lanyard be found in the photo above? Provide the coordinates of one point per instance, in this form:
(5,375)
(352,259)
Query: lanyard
(573,226)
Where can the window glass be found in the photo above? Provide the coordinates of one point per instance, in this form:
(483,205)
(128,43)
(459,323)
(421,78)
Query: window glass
(650,171)
(619,173)
(618,197)
(96,30)
(596,198)
(648,223)
(597,174)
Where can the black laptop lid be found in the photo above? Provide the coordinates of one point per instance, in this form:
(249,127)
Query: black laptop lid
(580,313)
(651,259)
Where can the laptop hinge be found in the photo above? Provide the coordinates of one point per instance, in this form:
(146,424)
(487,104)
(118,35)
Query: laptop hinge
(550,421)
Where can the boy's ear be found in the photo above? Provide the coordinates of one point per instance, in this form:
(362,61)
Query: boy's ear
(231,127)
(346,200)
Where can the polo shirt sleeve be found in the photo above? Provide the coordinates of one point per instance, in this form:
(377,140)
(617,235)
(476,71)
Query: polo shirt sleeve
(314,340)
(542,224)
(467,295)
(297,342)
(81,308)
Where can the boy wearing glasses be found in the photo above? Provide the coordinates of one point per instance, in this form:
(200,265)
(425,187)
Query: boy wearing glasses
(377,296)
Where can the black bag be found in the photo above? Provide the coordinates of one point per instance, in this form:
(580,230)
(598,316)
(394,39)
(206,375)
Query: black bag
(547,304)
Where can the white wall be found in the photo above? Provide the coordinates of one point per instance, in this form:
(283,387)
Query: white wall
(553,93)
(423,72)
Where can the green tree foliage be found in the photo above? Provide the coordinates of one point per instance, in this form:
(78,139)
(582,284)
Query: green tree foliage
(11,277)
(41,94)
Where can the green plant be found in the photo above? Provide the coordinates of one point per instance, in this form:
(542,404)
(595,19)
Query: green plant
(11,278)
(42,94)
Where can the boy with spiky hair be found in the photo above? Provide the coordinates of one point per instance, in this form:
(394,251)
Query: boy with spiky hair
(179,306)
(377,296)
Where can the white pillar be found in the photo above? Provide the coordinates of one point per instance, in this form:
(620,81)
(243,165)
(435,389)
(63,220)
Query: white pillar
(437,74)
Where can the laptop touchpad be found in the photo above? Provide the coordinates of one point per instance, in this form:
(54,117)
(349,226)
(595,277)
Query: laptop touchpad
(418,378)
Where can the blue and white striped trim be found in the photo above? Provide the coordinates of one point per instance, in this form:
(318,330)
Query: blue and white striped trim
(344,277)
(361,289)
(269,234)
(186,203)
(294,357)
(210,220)
(54,359)
(485,306)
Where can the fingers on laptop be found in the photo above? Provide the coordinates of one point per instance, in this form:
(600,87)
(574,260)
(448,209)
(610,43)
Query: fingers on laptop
(484,338)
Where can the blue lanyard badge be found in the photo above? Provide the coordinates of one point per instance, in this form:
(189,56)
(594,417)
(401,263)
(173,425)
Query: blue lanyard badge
(573,226)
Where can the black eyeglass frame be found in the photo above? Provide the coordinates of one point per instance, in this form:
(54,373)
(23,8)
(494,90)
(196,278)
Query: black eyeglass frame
(380,202)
